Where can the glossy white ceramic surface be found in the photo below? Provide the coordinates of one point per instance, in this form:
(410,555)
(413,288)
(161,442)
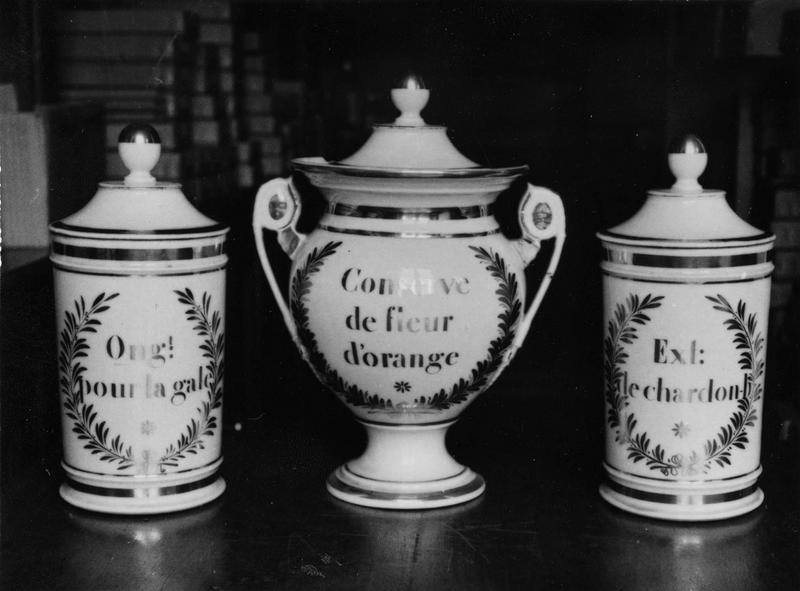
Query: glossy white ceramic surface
(140,309)
(407,302)
(686,293)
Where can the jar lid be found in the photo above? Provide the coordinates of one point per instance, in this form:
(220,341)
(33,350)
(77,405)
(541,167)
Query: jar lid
(686,212)
(139,204)
(408,147)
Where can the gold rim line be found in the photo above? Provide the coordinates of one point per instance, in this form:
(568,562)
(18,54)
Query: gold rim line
(411,213)
(184,253)
(357,232)
(682,499)
(621,257)
(66,466)
(306,165)
(473,486)
(686,281)
(63,229)
(681,481)
(347,470)
(764,237)
(144,273)
(141,492)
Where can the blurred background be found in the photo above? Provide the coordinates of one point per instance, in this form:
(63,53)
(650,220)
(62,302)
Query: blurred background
(588,94)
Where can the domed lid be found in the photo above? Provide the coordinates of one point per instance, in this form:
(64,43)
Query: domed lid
(686,212)
(139,204)
(408,147)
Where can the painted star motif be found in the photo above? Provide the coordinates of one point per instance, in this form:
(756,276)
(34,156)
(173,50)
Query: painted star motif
(402,386)
(148,428)
(681,429)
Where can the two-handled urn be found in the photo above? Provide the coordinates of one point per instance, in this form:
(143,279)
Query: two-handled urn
(406,300)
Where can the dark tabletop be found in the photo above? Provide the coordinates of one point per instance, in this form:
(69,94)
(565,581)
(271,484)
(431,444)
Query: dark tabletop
(536,436)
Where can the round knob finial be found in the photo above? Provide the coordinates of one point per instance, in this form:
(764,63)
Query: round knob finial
(687,161)
(140,148)
(410,97)
(411,81)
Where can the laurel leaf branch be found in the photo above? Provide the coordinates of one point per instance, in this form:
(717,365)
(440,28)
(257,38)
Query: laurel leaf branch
(209,325)
(72,347)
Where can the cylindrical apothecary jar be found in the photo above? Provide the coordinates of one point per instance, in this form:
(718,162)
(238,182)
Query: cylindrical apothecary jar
(686,293)
(140,302)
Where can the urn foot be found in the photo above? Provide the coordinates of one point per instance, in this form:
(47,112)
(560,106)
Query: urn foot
(142,495)
(682,500)
(349,487)
(405,467)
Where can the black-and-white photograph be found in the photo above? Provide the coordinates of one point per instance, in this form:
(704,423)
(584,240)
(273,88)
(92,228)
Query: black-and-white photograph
(400,295)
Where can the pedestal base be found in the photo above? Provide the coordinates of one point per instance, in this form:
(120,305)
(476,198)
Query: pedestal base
(142,495)
(405,467)
(352,488)
(682,500)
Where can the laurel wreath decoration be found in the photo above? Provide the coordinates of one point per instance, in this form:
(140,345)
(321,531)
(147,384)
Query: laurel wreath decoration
(717,450)
(481,375)
(207,324)
(486,370)
(299,289)
(750,344)
(622,330)
(72,347)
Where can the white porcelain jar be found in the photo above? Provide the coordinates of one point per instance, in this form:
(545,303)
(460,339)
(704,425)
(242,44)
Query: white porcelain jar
(140,310)
(406,300)
(686,293)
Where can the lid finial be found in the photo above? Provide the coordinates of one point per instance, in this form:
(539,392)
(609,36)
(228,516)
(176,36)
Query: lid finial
(410,97)
(687,161)
(140,148)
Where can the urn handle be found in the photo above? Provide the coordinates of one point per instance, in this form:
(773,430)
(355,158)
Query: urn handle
(277,208)
(541,217)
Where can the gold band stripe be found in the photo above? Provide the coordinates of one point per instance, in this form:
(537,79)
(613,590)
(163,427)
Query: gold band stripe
(139,492)
(673,243)
(699,281)
(337,484)
(184,253)
(413,213)
(683,261)
(668,499)
(72,468)
(358,232)
(61,228)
